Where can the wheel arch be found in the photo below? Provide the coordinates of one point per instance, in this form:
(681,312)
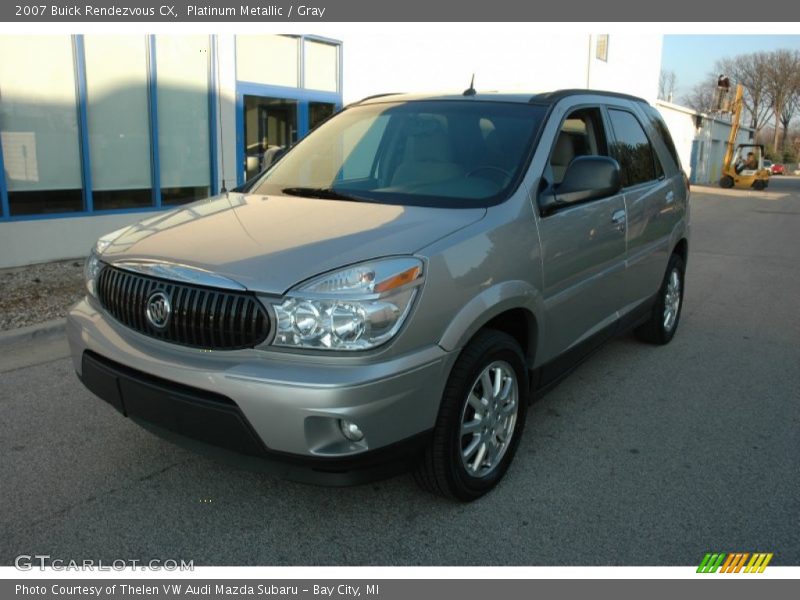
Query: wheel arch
(681,248)
(511,307)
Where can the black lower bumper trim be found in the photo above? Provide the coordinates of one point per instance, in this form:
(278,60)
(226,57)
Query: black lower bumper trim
(213,424)
(201,415)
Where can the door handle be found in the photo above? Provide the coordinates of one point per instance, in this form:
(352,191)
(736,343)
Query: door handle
(669,197)
(618,218)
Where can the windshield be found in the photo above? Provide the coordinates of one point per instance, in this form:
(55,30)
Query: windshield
(431,153)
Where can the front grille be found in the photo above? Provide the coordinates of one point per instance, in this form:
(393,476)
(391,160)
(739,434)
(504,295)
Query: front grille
(201,317)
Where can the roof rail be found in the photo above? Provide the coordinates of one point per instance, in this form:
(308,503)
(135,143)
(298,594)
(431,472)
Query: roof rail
(559,94)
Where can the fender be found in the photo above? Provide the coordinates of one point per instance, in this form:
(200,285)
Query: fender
(681,231)
(487,305)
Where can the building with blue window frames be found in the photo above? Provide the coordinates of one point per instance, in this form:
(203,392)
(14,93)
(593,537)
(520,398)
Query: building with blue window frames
(97,131)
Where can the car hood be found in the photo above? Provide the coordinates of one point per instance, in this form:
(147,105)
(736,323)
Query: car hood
(271,243)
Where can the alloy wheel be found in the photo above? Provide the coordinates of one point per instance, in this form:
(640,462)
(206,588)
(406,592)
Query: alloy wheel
(488,419)
(672,300)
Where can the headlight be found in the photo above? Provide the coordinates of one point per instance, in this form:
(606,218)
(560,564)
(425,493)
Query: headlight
(356,308)
(92,266)
(91,269)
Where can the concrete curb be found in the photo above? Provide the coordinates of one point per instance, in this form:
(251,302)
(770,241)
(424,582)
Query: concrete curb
(39,332)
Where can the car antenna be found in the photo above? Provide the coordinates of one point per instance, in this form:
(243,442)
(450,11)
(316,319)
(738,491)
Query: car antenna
(470,91)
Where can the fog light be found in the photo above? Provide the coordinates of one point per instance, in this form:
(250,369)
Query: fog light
(350,430)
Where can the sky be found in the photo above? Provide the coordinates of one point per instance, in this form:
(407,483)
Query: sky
(692,57)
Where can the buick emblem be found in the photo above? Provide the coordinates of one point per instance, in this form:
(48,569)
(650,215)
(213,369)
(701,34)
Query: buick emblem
(158,309)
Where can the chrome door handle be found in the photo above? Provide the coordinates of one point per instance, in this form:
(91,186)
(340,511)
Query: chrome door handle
(669,197)
(618,218)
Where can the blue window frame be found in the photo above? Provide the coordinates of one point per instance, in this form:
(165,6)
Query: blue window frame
(3,190)
(152,106)
(213,103)
(83,126)
(302,96)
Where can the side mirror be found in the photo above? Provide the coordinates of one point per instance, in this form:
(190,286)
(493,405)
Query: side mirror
(587,178)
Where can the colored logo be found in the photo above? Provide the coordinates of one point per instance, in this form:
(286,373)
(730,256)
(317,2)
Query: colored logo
(158,309)
(735,562)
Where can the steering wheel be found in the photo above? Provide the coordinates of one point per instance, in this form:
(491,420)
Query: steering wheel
(503,172)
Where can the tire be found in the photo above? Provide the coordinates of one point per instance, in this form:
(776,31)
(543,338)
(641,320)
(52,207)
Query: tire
(661,326)
(443,469)
(759,185)
(726,181)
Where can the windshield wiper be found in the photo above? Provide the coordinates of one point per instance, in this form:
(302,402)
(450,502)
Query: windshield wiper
(322,192)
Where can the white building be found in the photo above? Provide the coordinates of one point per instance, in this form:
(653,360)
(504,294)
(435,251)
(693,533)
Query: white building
(97,132)
(411,62)
(700,139)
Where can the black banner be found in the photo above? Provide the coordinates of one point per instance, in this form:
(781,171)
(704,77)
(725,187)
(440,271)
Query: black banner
(395,589)
(315,11)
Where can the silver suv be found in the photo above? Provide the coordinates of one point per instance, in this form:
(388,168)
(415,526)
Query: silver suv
(396,288)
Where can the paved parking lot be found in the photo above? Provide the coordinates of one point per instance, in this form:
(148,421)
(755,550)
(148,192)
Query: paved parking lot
(644,456)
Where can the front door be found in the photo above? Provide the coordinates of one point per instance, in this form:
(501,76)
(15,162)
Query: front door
(583,246)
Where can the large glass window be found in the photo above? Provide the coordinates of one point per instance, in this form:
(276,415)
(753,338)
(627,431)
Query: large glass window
(270,126)
(661,128)
(318,112)
(118,120)
(321,66)
(183,130)
(39,125)
(632,149)
(269,59)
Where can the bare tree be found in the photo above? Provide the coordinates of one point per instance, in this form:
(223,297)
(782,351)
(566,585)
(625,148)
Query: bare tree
(701,96)
(751,71)
(794,144)
(783,80)
(666,85)
(771,82)
(788,112)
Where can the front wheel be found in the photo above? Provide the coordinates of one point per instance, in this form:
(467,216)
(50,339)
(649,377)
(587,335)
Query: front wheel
(667,310)
(726,181)
(480,420)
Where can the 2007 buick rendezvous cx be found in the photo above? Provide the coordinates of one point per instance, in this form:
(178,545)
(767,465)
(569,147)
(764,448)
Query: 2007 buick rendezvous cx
(395,286)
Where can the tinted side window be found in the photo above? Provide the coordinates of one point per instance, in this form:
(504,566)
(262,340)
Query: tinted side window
(663,132)
(632,149)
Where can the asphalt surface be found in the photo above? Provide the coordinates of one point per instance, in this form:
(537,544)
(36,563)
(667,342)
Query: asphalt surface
(643,456)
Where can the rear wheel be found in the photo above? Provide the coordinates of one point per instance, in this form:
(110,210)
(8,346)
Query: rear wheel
(726,181)
(480,421)
(667,310)
(759,185)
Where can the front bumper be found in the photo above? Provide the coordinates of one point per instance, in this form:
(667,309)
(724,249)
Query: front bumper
(252,404)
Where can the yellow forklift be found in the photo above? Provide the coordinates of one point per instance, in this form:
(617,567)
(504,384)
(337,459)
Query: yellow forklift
(743,166)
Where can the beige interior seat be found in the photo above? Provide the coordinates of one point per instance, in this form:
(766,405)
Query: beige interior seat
(428,158)
(563,154)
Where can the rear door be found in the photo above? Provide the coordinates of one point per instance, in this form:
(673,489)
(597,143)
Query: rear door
(651,199)
(582,245)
